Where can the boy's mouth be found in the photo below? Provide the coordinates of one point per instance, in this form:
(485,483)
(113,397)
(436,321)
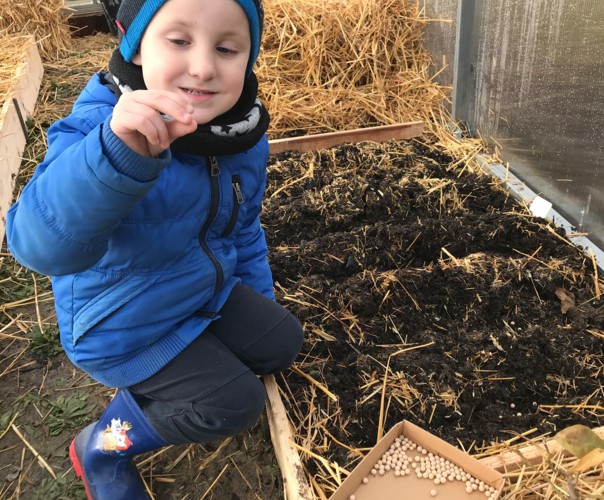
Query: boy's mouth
(196,92)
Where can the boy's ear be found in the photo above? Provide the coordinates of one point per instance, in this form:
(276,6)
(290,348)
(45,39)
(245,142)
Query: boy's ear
(136,59)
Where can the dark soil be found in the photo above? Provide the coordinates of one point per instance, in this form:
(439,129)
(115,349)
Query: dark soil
(400,263)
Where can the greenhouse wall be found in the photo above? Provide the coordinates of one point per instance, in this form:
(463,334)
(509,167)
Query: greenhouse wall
(528,76)
(440,37)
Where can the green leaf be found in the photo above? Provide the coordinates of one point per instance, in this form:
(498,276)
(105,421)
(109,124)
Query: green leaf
(579,440)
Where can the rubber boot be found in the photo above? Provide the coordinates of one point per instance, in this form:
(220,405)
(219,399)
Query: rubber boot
(102,452)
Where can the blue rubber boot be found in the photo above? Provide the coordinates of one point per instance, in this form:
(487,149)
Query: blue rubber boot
(102,453)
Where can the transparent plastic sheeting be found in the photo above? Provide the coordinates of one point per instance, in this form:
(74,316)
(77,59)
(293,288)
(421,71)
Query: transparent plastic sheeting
(439,38)
(536,81)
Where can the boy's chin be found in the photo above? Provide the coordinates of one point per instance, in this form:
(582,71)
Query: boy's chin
(204,119)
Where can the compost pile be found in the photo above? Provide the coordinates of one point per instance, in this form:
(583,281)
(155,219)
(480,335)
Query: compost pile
(426,294)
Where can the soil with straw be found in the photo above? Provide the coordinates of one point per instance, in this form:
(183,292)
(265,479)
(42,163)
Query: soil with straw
(430,295)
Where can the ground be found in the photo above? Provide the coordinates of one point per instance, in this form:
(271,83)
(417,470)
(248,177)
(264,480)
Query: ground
(47,401)
(426,294)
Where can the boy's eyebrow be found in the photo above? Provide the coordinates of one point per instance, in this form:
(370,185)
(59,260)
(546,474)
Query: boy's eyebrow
(184,24)
(190,24)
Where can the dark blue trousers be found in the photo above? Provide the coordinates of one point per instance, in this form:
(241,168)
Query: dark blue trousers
(212,390)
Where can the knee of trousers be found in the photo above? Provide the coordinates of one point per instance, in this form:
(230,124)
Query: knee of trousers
(285,346)
(234,408)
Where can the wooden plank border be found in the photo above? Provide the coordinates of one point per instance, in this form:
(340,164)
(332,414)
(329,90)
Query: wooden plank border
(295,484)
(529,454)
(321,141)
(13,131)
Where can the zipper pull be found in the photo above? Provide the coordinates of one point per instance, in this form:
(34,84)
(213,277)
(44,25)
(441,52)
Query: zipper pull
(214,168)
(238,192)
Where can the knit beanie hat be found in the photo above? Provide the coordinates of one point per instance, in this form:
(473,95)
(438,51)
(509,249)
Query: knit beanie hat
(133,17)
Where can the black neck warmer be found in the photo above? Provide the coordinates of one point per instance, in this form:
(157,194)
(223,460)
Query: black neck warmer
(235,131)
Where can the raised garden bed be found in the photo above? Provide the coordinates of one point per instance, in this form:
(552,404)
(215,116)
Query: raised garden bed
(21,77)
(427,294)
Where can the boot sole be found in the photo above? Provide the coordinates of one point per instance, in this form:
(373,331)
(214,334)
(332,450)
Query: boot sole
(77,467)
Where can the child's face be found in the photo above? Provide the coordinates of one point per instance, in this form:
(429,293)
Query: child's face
(199,49)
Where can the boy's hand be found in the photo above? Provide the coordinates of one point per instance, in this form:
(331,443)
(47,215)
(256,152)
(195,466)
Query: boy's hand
(137,121)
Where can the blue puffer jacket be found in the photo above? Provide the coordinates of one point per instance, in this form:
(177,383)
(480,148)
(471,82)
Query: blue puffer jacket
(142,252)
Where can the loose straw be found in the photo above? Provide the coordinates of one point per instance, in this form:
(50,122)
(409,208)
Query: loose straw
(315,382)
(380,430)
(42,462)
(215,481)
(47,20)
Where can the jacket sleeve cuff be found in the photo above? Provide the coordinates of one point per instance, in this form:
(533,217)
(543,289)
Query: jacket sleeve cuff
(129,162)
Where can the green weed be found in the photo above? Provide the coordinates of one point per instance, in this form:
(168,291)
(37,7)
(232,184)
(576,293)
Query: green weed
(45,342)
(6,419)
(17,282)
(68,412)
(61,488)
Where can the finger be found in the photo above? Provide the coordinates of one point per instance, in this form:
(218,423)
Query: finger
(179,129)
(141,119)
(168,104)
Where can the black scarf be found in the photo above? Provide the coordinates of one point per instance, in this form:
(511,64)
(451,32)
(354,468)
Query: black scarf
(235,131)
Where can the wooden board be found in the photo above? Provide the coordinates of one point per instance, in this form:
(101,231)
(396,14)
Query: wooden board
(295,484)
(13,135)
(529,454)
(331,139)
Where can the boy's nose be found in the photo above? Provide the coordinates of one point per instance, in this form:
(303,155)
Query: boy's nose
(201,65)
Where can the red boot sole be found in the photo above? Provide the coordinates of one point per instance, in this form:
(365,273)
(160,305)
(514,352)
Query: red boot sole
(77,467)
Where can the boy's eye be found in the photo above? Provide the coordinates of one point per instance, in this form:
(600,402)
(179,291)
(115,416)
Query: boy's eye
(177,41)
(225,50)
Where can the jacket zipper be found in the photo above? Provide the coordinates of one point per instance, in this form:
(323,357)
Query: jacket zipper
(238,199)
(214,170)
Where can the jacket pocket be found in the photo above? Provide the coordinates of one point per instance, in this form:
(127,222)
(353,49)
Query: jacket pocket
(110,300)
(238,200)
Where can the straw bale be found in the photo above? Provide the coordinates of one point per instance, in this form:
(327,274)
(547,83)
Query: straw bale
(66,78)
(45,19)
(14,50)
(331,65)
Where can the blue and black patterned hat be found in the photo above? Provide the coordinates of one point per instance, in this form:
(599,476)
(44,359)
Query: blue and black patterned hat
(133,17)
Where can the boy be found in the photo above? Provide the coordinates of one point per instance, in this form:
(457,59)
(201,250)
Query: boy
(145,212)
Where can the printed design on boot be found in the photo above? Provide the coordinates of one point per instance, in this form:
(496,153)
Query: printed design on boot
(115,437)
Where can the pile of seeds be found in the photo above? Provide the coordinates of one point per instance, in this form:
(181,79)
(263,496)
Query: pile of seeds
(405,457)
